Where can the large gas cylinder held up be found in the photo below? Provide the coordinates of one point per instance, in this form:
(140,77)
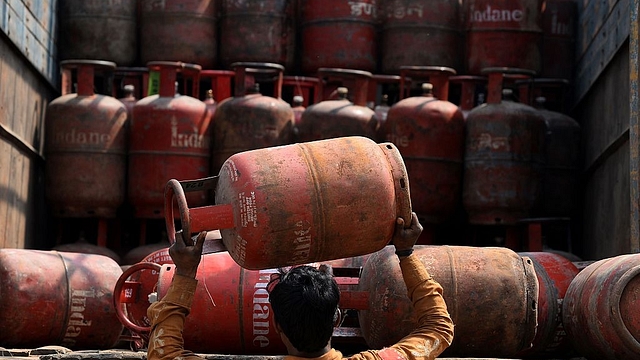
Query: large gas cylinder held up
(96,29)
(559,23)
(300,203)
(503,33)
(230,314)
(250,120)
(473,91)
(409,25)
(85,146)
(555,273)
(339,117)
(338,34)
(503,158)
(258,31)
(491,295)
(429,132)
(55,298)
(600,309)
(179,30)
(169,139)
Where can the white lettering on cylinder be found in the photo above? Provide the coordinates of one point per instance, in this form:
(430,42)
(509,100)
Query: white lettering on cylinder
(261,309)
(496,15)
(77,318)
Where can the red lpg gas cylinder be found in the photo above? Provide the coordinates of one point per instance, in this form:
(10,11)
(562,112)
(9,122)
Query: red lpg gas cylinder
(85,146)
(559,22)
(338,118)
(97,29)
(169,139)
(128,99)
(491,295)
(503,157)
(219,87)
(258,31)
(179,30)
(338,34)
(600,309)
(408,26)
(429,132)
(380,86)
(472,91)
(250,121)
(503,33)
(307,87)
(554,273)
(54,298)
(300,203)
(231,313)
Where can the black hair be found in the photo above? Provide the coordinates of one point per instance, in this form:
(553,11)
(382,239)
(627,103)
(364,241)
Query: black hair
(304,302)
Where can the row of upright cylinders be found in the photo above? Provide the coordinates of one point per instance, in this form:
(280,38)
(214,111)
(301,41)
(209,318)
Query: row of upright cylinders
(375,36)
(491,158)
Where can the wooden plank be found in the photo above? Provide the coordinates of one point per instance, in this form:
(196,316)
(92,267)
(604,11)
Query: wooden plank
(33,35)
(5,162)
(634,128)
(603,44)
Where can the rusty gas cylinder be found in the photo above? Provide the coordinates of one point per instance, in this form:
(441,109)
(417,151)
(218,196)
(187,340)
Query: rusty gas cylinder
(228,301)
(56,298)
(429,132)
(179,30)
(85,146)
(555,273)
(488,291)
(298,108)
(338,34)
(258,31)
(561,174)
(503,33)
(600,309)
(409,25)
(472,91)
(128,99)
(96,29)
(503,160)
(250,120)
(329,119)
(169,139)
(294,204)
(559,22)
(380,86)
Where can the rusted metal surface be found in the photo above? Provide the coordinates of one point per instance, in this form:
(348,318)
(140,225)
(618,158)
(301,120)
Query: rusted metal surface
(295,204)
(258,30)
(503,33)
(554,273)
(559,24)
(97,29)
(560,179)
(55,298)
(408,26)
(250,121)
(86,147)
(169,139)
(231,313)
(429,131)
(600,310)
(333,118)
(338,34)
(634,129)
(491,295)
(503,158)
(179,30)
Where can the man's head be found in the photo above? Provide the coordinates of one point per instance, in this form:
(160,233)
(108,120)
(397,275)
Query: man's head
(304,302)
